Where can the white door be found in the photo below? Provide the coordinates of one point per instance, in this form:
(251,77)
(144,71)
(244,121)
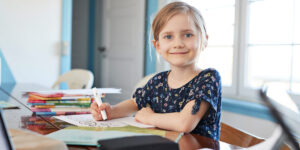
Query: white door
(123,58)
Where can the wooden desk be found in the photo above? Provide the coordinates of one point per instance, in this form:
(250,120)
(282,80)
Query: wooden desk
(17,118)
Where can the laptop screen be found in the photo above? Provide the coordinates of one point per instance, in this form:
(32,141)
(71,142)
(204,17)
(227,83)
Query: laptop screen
(5,143)
(284,111)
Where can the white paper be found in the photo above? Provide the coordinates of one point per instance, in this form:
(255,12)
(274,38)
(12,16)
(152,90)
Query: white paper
(79,91)
(87,120)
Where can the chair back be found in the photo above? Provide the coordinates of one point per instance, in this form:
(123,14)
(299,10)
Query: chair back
(76,79)
(237,137)
(143,82)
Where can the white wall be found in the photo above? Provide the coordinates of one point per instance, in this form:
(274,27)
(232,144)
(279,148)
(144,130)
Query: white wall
(255,126)
(30,34)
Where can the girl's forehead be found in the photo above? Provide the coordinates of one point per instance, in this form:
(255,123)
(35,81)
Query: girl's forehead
(179,22)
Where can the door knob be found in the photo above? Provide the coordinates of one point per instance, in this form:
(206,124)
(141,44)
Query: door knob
(101,49)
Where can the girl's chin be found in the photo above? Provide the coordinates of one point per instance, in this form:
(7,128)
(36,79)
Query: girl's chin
(182,64)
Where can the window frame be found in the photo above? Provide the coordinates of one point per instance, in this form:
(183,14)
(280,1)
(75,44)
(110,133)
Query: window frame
(244,92)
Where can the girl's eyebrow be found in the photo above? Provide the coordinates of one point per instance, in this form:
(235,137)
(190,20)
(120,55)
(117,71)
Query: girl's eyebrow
(167,32)
(187,30)
(182,31)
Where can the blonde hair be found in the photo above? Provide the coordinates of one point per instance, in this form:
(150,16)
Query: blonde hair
(172,9)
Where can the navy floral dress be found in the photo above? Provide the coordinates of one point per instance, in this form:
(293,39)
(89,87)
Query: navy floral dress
(163,99)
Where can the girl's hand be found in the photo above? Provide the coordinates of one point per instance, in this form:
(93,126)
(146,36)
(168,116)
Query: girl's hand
(188,141)
(144,115)
(95,110)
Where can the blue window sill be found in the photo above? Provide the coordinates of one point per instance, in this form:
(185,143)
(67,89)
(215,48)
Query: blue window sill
(246,108)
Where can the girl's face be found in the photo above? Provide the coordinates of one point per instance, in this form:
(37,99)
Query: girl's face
(178,41)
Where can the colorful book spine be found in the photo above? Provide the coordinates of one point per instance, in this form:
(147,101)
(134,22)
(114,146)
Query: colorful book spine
(59,101)
(33,97)
(71,109)
(59,113)
(45,105)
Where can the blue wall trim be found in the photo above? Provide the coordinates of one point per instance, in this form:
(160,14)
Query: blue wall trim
(66,35)
(150,59)
(247,108)
(6,74)
(91,35)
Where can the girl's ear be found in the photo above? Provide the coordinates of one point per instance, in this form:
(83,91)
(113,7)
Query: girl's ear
(156,45)
(205,44)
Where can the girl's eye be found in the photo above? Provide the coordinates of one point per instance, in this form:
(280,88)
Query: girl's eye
(168,37)
(188,35)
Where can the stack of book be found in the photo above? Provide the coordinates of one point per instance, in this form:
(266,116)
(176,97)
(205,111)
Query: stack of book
(42,125)
(58,104)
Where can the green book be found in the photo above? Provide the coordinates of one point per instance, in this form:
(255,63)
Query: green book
(6,105)
(89,136)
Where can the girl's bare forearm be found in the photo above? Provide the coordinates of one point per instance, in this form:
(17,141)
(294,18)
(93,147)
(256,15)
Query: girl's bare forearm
(124,109)
(168,121)
(183,121)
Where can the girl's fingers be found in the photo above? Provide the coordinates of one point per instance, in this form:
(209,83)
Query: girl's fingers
(94,106)
(108,111)
(96,111)
(136,119)
(96,115)
(102,106)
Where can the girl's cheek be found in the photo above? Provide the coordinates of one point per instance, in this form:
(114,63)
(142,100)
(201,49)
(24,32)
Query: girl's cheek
(164,45)
(194,44)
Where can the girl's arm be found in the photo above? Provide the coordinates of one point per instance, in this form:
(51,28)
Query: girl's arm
(124,109)
(183,121)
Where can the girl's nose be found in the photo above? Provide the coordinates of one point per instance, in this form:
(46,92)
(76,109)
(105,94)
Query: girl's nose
(178,43)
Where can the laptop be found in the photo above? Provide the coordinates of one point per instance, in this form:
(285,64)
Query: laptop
(5,143)
(284,111)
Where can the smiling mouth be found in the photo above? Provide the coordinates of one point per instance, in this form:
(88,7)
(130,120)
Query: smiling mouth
(178,53)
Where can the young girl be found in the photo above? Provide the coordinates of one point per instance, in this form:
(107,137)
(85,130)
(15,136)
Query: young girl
(185,98)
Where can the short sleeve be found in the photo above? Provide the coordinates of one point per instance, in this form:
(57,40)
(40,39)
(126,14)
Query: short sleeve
(142,96)
(208,88)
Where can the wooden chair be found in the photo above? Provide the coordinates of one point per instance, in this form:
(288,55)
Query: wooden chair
(237,137)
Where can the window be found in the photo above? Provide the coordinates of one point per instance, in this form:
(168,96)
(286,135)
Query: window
(274,34)
(252,42)
(271,49)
